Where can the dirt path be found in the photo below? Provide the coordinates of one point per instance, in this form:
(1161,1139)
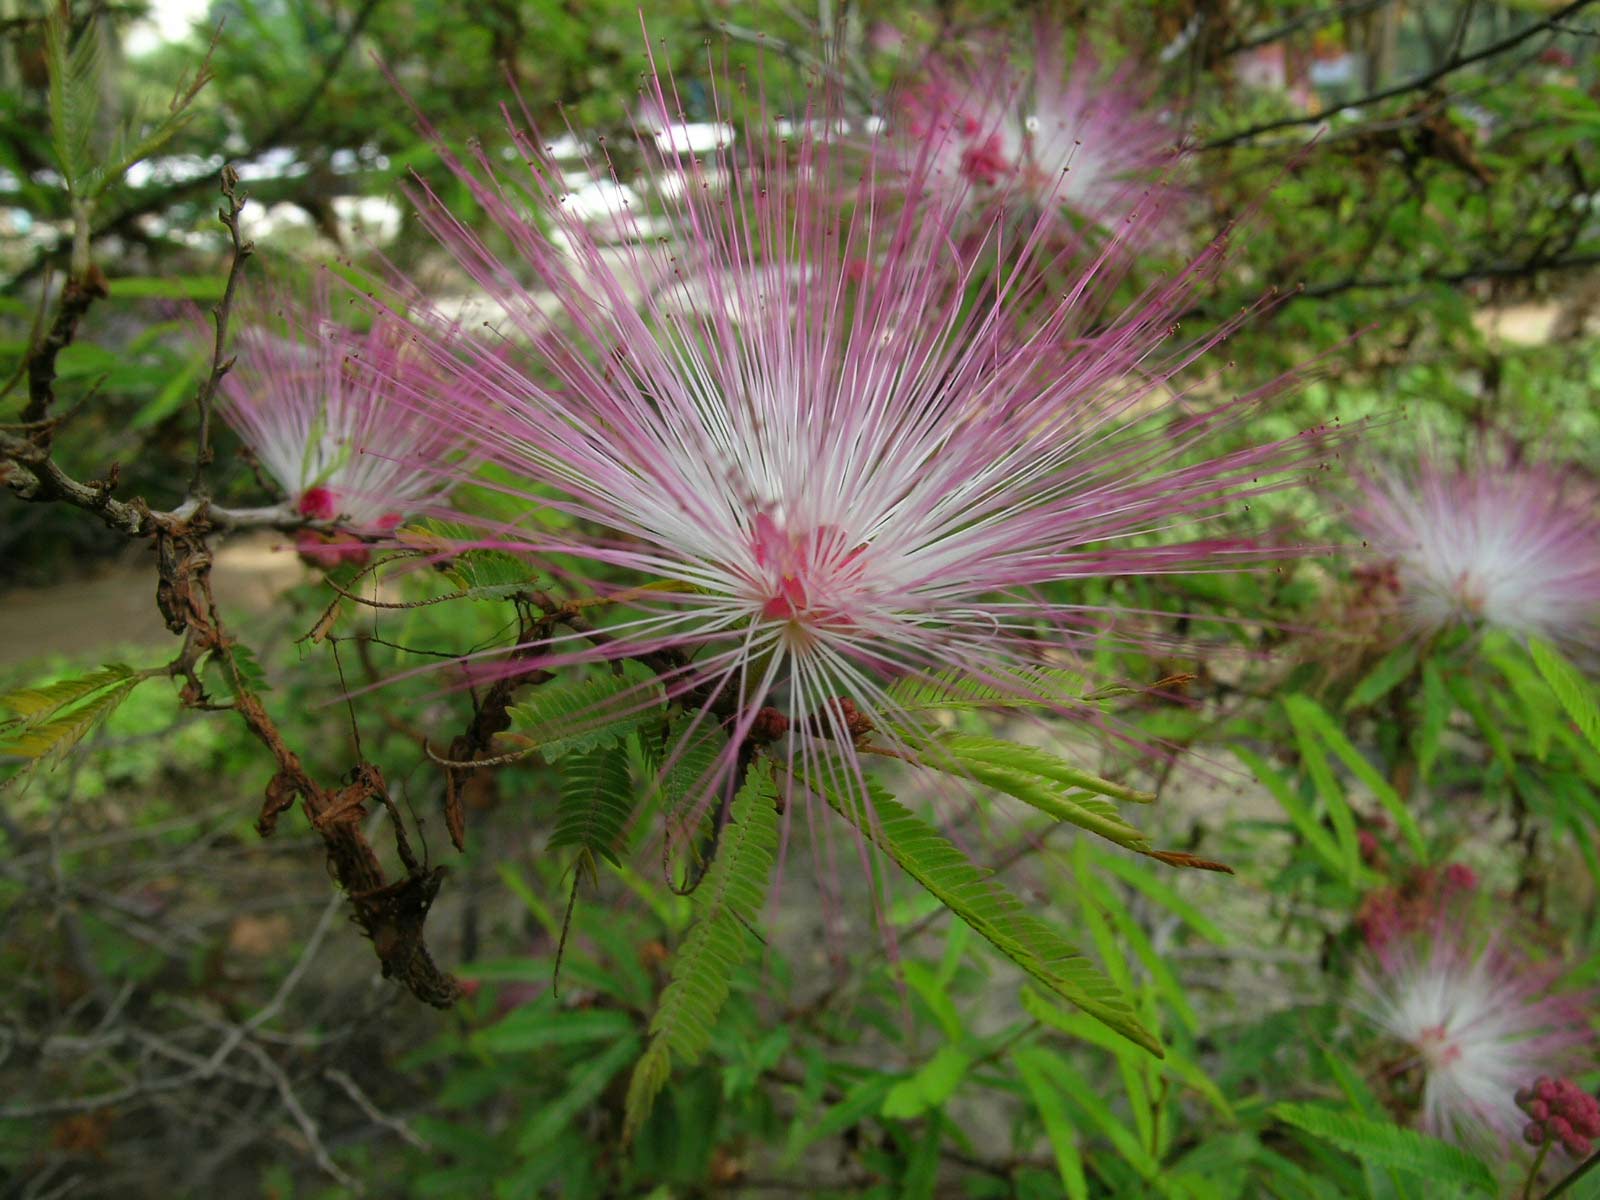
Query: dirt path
(117,606)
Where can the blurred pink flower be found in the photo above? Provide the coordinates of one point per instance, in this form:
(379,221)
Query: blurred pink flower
(1516,547)
(1480,1020)
(321,407)
(834,482)
(1076,140)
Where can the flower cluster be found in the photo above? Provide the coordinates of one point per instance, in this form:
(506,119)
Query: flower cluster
(1561,1113)
(1516,547)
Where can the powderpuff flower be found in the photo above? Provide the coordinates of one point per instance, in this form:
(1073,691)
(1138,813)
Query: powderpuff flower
(324,411)
(1480,1021)
(789,497)
(1066,140)
(1515,547)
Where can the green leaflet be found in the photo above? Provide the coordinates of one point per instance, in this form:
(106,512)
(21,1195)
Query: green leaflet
(1043,780)
(584,1085)
(1309,718)
(485,573)
(76,73)
(1010,687)
(1383,678)
(970,748)
(1063,806)
(992,911)
(543,1026)
(587,714)
(1437,706)
(596,801)
(1574,692)
(35,703)
(1334,857)
(728,898)
(1382,1144)
(1057,1073)
(689,763)
(1058,1126)
(930,1085)
(1175,1066)
(55,718)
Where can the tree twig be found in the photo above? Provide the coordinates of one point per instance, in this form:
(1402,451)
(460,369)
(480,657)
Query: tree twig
(206,394)
(1449,67)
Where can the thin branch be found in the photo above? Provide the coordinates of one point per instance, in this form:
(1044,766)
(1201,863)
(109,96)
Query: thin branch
(76,298)
(373,1113)
(1478,272)
(308,1127)
(1583,1169)
(1421,82)
(1316,19)
(220,364)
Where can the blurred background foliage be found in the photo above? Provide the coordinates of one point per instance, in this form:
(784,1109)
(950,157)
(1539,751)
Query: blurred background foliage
(185,1012)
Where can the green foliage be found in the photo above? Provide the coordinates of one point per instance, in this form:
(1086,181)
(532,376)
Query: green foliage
(596,800)
(1576,694)
(53,719)
(565,718)
(78,89)
(1009,687)
(727,901)
(997,768)
(77,82)
(1384,1144)
(989,909)
(853,1072)
(1312,726)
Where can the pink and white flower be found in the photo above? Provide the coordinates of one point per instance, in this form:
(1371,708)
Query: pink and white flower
(328,413)
(1516,547)
(1479,1019)
(1065,139)
(824,487)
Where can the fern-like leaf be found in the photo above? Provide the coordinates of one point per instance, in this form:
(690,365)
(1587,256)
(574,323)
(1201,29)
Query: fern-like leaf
(77,72)
(61,732)
(1386,1145)
(1080,809)
(992,911)
(587,714)
(690,758)
(596,801)
(727,900)
(1574,692)
(1031,760)
(1006,687)
(34,704)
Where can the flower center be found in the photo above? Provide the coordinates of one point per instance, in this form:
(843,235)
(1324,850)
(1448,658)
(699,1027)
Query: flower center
(984,163)
(803,576)
(318,504)
(1437,1048)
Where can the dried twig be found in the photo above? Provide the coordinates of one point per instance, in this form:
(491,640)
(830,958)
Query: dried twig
(373,1112)
(205,396)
